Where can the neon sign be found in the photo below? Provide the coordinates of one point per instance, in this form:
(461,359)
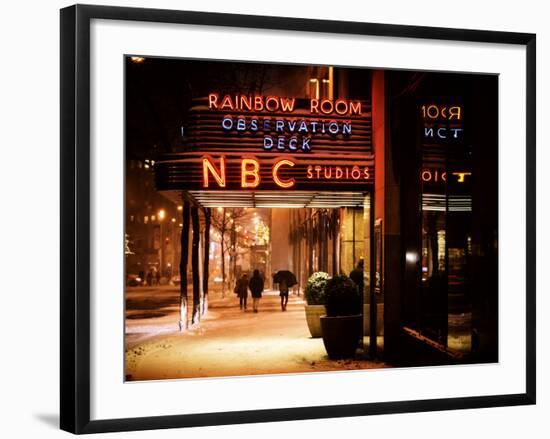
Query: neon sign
(440,176)
(442,132)
(444,112)
(338,172)
(340,107)
(273,143)
(252,174)
(250,103)
(442,122)
(285,184)
(240,102)
(219,175)
(278,119)
(250,168)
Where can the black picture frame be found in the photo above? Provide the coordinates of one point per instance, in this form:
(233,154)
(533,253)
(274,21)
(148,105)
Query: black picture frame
(75,217)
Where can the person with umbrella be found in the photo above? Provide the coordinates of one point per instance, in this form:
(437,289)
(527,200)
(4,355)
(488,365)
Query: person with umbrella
(285,279)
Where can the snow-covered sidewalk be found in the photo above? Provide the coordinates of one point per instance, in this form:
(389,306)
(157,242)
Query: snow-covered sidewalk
(228,341)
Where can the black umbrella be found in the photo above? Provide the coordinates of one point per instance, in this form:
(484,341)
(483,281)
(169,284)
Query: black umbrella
(285,275)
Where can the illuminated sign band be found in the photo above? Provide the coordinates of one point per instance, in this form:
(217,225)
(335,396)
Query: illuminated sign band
(231,172)
(288,124)
(242,142)
(242,102)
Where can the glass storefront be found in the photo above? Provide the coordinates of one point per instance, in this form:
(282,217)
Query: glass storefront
(337,241)
(444,130)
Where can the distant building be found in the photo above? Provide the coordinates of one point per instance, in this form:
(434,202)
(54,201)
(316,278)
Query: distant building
(152,224)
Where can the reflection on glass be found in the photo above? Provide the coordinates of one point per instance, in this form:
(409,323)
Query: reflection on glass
(446,266)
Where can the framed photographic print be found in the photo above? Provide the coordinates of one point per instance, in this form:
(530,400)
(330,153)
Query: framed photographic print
(269,218)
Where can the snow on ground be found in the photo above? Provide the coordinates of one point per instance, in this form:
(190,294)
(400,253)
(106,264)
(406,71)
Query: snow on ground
(228,341)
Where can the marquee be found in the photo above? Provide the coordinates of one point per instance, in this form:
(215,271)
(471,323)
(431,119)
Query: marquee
(272,143)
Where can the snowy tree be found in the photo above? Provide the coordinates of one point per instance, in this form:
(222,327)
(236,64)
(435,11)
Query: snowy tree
(127,242)
(225,220)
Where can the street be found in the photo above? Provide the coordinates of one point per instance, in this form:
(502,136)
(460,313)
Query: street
(228,341)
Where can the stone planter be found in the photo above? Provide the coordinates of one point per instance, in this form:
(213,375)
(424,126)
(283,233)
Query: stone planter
(313,315)
(341,335)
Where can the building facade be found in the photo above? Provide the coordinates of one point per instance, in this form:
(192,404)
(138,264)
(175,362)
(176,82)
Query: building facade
(394,171)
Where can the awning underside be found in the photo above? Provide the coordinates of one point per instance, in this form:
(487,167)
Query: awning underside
(275,199)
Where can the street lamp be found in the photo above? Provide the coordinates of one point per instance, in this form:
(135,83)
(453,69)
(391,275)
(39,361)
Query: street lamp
(161,214)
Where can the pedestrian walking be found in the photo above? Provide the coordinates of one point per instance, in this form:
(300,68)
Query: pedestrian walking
(158,277)
(242,290)
(357,275)
(141,277)
(149,278)
(256,286)
(283,292)
(286,279)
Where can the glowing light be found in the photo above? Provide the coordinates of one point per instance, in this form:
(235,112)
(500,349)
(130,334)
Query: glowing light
(434,111)
(180,208)
(315,81)
(251,103)
(441,243)
(341,107)
(219,175)
(461,176)
(137,59)
(437,175)
(338,172)
(161,214)
(246,172)
(285,184)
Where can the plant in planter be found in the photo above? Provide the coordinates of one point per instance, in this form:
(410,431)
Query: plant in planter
(315,298)
(341,327)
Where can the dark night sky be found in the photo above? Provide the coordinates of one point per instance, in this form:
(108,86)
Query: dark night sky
(159,92)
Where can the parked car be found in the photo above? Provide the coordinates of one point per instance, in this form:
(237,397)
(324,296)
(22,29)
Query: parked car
(133,280)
